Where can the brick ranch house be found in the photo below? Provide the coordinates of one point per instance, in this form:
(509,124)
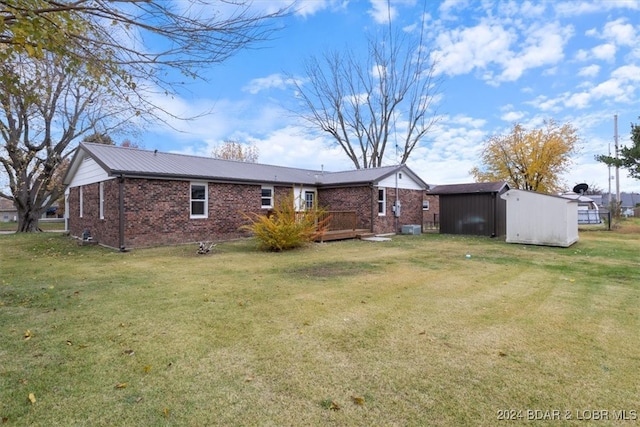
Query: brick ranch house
(131,198)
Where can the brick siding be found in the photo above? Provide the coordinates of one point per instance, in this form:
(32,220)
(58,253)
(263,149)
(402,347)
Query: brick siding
(157,212)
(431,217)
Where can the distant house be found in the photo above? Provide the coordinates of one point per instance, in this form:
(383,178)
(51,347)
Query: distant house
(8,211)
(629,202)
(540,219)
(126,197)
(472,209)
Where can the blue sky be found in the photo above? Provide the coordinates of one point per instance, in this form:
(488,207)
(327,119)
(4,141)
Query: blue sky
(500,63)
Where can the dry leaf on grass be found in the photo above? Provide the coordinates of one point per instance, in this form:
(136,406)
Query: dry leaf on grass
(358,400)
(121,385)
(32,398)
(27,334)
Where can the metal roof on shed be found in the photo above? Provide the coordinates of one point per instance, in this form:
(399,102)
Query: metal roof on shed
(476,187)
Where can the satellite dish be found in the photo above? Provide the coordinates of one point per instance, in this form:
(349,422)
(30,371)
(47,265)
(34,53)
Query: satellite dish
(581,188)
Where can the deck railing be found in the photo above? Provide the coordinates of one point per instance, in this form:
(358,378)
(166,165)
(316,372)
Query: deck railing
(341,220)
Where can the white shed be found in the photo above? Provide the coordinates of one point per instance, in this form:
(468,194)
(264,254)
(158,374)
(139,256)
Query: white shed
(541,219)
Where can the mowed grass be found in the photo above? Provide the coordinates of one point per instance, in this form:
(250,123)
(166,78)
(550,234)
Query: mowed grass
(408,332)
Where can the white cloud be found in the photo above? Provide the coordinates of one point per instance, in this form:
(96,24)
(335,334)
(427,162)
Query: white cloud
(575,8)
(531,9)
(277,81)
(448,8)
(295,146)
(543,46)
(589,71)
(512,116)
(461,50)
(620,32)
(382,12)
(604,52)
(627,73)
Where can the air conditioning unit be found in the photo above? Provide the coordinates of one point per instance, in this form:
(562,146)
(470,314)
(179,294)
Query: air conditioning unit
(411,229)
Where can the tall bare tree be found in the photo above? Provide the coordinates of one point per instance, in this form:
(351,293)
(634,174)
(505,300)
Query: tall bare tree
(64,62)
(45,105)
(133,40)
(371,104)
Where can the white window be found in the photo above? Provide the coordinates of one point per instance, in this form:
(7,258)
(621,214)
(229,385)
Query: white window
(267,197)
(102,200)
(382,202)
(81,202)
(199,200)
(309,199)
(425,205)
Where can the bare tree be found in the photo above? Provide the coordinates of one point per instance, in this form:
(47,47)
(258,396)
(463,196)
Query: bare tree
(369,105)
(63,63)
(133,40)
(44,107)
(234,150)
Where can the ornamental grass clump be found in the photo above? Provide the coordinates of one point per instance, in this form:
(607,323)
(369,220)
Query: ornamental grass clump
(286,228)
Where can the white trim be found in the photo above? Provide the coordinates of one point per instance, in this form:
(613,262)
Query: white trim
(383,211)
(101,187)
(81,202)
(299,197)
(403,181)
(89,172)
(205,200)
(270,205)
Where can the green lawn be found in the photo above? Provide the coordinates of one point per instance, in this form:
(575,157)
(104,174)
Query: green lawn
(44,225)
(408,332)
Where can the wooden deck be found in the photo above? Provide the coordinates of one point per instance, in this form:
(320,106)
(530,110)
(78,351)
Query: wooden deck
(343,226)
(358,233)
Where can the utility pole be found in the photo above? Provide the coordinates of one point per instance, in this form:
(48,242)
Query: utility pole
(615,139)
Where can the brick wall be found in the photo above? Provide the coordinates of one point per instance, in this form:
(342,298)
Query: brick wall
(431,217)
(364,200)
(357,199)
(411,211)
(157,212)
(103,230)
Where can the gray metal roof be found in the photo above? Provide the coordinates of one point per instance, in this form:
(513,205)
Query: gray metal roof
(476,187)
(6,205)
(627,200)
(155,164)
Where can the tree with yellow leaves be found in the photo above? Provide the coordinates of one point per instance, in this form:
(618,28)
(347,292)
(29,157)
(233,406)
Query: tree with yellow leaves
(531,160)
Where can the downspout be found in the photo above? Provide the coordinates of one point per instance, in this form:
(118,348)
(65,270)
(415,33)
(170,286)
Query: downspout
(374,206)
(121,213)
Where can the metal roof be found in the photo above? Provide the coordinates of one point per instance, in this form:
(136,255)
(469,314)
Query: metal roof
(155,164)
(6,205)
(476,187)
